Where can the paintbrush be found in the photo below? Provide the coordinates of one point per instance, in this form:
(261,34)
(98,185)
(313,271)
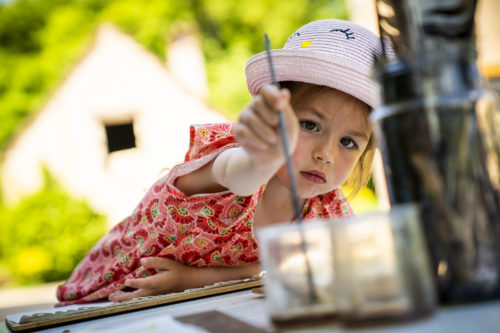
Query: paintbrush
(291,176)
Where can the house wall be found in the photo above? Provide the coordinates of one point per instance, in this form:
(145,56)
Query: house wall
(116,81)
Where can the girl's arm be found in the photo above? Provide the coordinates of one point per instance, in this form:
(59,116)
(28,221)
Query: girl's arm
(244,169)
(173,276)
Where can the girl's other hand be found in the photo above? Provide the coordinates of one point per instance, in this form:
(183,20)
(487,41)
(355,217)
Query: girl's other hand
(258,130)
(172,276)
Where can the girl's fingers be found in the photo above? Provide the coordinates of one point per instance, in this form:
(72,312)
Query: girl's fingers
(158,263)
(277,99)
(291,121)
(150,282)
(248,139)
(264,110)
(136,283)
(283,104)
(258,128)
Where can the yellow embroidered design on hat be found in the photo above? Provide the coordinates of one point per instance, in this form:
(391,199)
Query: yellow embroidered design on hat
(306,44)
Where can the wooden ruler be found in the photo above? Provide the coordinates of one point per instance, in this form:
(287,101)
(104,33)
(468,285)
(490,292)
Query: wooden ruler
(48,319)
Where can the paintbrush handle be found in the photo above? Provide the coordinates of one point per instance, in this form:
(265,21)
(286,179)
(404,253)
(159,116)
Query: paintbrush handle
(290,169)
(293,183)
(284,140)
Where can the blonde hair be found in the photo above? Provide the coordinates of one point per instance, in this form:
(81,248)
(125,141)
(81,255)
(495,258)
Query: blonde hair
(361,173)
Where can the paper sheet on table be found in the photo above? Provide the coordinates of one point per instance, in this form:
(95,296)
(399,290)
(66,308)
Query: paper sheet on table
(163,324)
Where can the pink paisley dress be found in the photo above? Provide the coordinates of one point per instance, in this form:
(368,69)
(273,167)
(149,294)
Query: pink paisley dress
(200,230)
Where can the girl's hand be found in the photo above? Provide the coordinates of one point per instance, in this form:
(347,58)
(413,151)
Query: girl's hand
(172,276)
(258,129)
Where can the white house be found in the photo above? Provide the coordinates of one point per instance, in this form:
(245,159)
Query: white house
(118,120)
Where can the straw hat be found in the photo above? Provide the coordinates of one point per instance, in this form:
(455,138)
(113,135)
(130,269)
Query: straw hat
(334,53)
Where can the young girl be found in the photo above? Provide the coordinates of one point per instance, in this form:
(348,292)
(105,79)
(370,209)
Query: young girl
(195,225)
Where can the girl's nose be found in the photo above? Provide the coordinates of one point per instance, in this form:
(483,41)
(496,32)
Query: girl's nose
(324,153)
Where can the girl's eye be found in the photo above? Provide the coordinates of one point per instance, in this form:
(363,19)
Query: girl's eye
(348,143)
(309,125)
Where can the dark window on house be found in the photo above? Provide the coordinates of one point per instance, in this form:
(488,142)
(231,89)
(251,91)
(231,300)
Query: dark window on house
(120,136)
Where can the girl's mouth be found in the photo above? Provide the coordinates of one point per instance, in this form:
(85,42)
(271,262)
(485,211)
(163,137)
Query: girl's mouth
(314,176)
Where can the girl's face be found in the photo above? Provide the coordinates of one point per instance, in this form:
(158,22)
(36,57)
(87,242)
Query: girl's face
(334,132)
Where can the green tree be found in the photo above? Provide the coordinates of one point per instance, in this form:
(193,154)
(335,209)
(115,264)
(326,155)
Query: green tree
(20,22)
(233,32)
(38,45)
(40,40)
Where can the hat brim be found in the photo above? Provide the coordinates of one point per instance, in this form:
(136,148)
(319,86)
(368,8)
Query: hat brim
(311,67)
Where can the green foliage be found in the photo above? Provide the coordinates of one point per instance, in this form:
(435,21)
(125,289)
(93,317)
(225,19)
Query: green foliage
(233,32)
(36,53)
(40,40)
(45,236)
(149,22)
(20,22)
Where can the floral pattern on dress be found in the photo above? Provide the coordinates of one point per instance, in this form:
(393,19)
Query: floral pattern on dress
(199,230)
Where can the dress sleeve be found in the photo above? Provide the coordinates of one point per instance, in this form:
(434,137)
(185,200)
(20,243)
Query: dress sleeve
(208,138)
(205,143)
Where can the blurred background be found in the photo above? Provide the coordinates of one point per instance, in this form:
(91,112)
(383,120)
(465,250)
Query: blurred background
(96,99)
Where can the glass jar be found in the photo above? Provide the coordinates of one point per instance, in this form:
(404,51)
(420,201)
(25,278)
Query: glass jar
(299,279)
(441,149)
(382,268)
